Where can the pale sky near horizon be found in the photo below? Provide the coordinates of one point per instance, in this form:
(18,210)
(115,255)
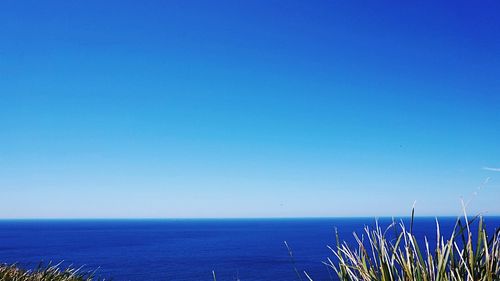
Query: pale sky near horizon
(248,108)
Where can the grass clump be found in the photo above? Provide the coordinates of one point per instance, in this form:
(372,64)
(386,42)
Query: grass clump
(459,257)
(44,273)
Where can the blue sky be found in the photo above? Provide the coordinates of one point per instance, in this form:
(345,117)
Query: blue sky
(248,108)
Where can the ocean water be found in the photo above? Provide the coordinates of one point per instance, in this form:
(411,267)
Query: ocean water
(236,249)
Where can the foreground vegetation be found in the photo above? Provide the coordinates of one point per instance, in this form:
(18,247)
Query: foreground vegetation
(461,256)
(48,273)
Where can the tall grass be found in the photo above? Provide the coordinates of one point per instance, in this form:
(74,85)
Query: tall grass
(376,256)
(44,273)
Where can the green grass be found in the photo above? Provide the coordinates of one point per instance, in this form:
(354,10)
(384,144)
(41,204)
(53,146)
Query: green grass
(378,257)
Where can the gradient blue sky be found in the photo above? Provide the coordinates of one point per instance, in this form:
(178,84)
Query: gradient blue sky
(248,108)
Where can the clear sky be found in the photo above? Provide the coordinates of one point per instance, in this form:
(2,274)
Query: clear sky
(248,108)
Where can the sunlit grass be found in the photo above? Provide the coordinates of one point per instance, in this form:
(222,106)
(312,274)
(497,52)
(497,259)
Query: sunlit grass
(460,256)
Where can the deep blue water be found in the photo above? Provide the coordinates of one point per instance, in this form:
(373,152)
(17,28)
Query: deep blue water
(248,249)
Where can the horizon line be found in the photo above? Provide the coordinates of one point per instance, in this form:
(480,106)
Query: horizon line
(238,218)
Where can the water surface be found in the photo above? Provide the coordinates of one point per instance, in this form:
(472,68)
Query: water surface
(137,250)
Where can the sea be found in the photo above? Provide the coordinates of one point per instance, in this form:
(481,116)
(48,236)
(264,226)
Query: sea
(195,249)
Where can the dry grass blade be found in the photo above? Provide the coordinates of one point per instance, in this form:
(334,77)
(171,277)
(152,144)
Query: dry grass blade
(44,273)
